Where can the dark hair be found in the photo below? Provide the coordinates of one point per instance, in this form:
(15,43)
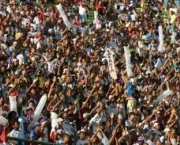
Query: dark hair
(11,114)
(131,113)
(84,123)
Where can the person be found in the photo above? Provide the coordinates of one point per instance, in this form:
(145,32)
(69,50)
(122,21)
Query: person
(49,51)
(82,138)
(16,132)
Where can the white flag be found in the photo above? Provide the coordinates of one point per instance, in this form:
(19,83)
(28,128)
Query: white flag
(13,103)
(161,42)
(173,37)
(128,61)
(109,56)
(39,109)
(163,96)
(63,15)
(54,122)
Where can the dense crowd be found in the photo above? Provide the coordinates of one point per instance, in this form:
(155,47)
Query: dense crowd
(41,56)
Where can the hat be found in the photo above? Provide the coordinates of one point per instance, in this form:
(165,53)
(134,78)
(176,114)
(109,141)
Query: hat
(166,129)
(141,139)
(66,133)
(81,131)
(50,30)
(155,124)
(85,115)
(74,39)
(59,120)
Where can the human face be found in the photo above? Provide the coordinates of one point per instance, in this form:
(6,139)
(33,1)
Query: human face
(66,138)
(16,126)
(82,136)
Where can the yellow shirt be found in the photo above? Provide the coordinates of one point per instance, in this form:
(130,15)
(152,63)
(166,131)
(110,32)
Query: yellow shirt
(172,18)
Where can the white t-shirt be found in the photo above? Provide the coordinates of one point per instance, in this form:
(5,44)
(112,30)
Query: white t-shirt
(82,10)
(36,20)
(15,133)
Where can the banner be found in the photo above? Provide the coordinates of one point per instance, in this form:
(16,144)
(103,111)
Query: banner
(109,57)
(173,37)
(63,15)
(54,122)
(161,42)
(128,61)
(13,103)
(158,64)
(38,110)
(162,96)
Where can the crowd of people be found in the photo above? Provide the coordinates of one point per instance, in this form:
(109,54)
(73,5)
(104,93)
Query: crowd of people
(40,55)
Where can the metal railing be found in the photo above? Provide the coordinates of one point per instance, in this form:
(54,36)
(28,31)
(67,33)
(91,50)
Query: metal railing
(17,141)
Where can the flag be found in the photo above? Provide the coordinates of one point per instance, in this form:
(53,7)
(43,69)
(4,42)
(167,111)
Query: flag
(109,57)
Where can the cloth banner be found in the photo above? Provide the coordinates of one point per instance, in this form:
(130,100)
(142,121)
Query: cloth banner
(54,118)
(13,103)
(128,61)
(173,37)
(63,15)
(38,110)
(109,56)
(163,96)
(161,42)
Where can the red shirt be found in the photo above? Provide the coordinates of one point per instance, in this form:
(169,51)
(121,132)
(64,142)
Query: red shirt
(3,134)
(99,7)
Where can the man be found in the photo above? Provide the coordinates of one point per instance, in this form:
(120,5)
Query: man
(66,139)
(150,140)
(82,138)
(131,104)
(15,133)
(130,122)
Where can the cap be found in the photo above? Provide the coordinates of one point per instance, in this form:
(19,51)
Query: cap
(166,129)
(155,124)
(59,120)
(66,133)
(50,30)
(141,139)
(85,115)
(81,131)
